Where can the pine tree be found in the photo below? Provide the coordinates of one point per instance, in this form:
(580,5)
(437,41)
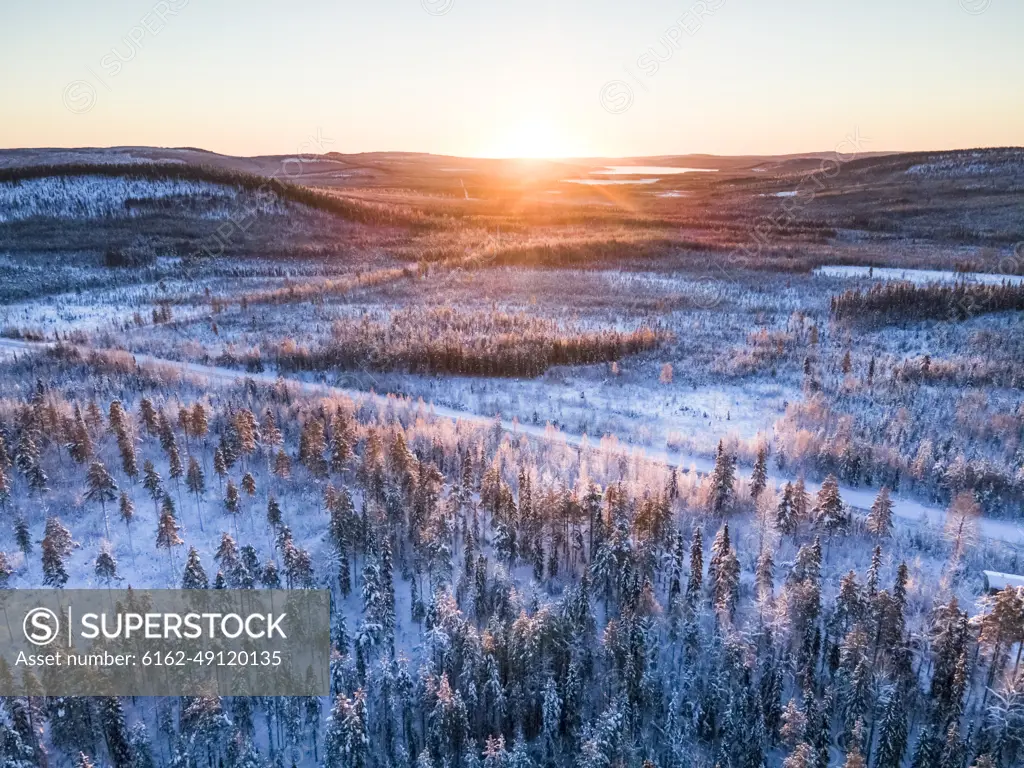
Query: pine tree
(23,536)
(227,555)
(880,518)
(28,462)
(198,423)
(282,465)
(167,530)
(346,743)
(794,724)
(953,750)
(273,513)
(232,502)
(269,578)
(786,519)
(5,458)
(5,489)
(854,757)
(759,477)
(723,573)
(801,501)
(764,575)
(928,752)
(695,580)
(115,732)
(153,483)
(828,511)
(247,429)
(249,484)
(129,459)
(106,565)
(149,420)
(194,576)
(57,544)
(272,437)
(495,755)
(166,433)
(341,449)
(139,747)
(892,737)
(116,417)
(220,467)
(5,570)
(175,469)
(722,480)
(312,446)
(100,486)
(195,480)
(80,447)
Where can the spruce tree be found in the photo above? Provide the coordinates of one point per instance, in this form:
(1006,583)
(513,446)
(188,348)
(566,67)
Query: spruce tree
(126,511)
(57,544)
(232,502)
(220,467)
(759,476)
(722,480)
(167,530)
(196,483)
(149,419)
(282,465)
(153,483)
(786,519)
(194,576)
(892,736)
(828,510)
(723,573)
(879,520)
(23,536)
(115,732)
(100,487)
(696,578)
(346,742)
(106,565)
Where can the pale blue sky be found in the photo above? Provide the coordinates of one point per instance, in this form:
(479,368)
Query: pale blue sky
(492,77)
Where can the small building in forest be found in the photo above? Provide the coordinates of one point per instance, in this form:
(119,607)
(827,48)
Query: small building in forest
(997,582)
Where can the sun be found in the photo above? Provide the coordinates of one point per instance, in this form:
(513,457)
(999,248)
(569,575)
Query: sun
(533,137)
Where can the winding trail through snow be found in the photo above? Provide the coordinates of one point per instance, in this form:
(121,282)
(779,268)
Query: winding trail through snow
(907,509)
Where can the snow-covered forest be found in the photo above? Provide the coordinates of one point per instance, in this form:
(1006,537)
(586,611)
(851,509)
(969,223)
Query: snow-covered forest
(580,499)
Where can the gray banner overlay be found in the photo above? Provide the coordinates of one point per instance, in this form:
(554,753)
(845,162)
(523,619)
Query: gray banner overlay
(98,642)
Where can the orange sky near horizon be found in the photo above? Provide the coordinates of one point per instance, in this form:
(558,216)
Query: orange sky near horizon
(526,79)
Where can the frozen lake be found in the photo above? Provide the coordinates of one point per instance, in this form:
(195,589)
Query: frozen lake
(637,170)
(606,182)
(918,276)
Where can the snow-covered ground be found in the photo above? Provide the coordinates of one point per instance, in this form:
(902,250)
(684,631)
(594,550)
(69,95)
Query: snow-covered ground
(909,510)
(93,197)
(918,276)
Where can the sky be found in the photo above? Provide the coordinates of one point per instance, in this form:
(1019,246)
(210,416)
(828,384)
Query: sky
(495,78)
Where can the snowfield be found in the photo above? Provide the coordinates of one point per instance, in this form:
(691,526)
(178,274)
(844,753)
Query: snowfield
(94,197)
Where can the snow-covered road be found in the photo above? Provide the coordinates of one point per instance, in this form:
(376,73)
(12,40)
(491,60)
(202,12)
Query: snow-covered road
(909,510)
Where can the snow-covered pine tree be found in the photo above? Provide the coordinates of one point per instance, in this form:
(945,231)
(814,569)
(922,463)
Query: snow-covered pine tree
(786,518)
(194,576)
(57,544)
(723,573)
(759,475)
(879,520)
(892,732)
(167,529)
(106,565)
(723,480)
(101,488)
